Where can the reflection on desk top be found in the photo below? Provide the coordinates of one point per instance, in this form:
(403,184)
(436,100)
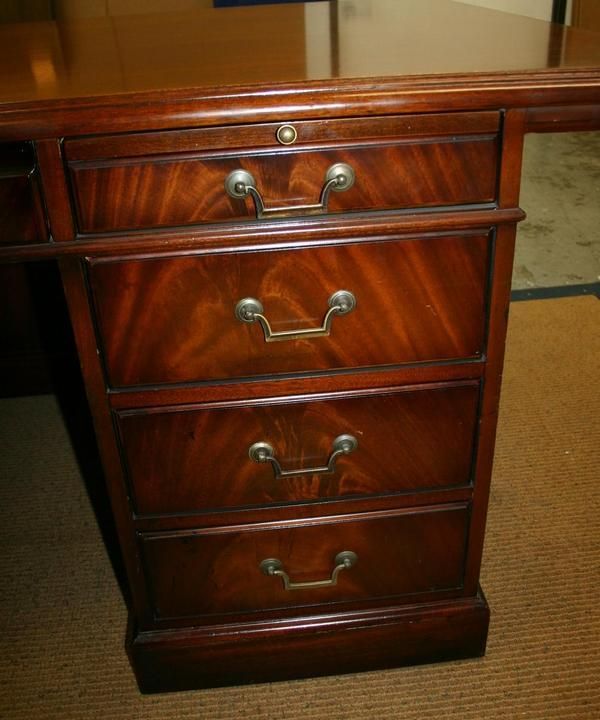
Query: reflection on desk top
(207,47)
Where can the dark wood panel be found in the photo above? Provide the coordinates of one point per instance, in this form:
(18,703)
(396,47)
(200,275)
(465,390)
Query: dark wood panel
(269,233)
(309,509)
(109,56)
(173,319)
(56,192)
(24,364)
(338,383)
(182,109)
(73,278)
(36,345)
(563,119)
(33,334)
(586,15)
(146,193)
(328,645)
(208,572)
(168,324)
(22,220)
(498,322)
(264,135)
(406,441)
(512,158)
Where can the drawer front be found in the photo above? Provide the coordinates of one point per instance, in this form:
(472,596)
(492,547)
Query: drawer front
(203,460)
(173,320)
(213,572)
(22,218)
(177,179)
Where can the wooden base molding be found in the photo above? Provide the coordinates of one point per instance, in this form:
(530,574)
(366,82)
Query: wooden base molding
(325,645)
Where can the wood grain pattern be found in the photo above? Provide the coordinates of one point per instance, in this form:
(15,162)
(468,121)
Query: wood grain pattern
(172,319)
(310,133)
(197,459)
(108,56)
(97,75)
(152,307)
(406,553)
(302,510)
(269,233)
(374,380)
(150,192)
(208,108)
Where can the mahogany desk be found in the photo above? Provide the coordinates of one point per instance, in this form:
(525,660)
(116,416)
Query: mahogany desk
(285,235)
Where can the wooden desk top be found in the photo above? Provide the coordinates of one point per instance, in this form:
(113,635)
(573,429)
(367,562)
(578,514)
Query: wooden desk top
(309,60)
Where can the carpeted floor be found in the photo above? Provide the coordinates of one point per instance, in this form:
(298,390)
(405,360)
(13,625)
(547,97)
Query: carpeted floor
(62,617)
(558,244)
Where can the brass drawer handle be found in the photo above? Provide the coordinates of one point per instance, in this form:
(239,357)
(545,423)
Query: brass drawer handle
(262,452)
(240,183)
(249,310)
(343,561)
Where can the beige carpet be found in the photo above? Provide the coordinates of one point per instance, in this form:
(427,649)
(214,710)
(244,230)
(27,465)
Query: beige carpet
(559,244)
(62,618)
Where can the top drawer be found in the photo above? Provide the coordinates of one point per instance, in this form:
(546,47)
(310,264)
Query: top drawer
(178,178)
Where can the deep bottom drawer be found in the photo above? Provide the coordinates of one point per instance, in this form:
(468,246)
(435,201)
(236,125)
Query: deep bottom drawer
(218,571)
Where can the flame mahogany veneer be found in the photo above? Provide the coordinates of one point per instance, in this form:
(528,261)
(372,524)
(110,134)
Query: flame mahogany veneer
(316,558)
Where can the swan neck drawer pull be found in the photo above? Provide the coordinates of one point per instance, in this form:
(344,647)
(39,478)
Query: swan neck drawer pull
(240,183)
(250,309)
(262,452)
(344,560)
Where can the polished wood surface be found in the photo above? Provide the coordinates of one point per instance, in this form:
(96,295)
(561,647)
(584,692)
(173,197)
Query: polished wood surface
(217,571)
(134,123)
(288,43)
(300,61)
(345,643)
(417,169)
(172,320)
(267,234)
(205,657)
(263,136)
(586,14)
(56,192)
(407,440)
(191,191)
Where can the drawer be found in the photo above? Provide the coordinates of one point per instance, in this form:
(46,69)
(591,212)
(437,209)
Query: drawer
(177,319)
(202,459)
(22,218)
(179,178)
(219,571)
